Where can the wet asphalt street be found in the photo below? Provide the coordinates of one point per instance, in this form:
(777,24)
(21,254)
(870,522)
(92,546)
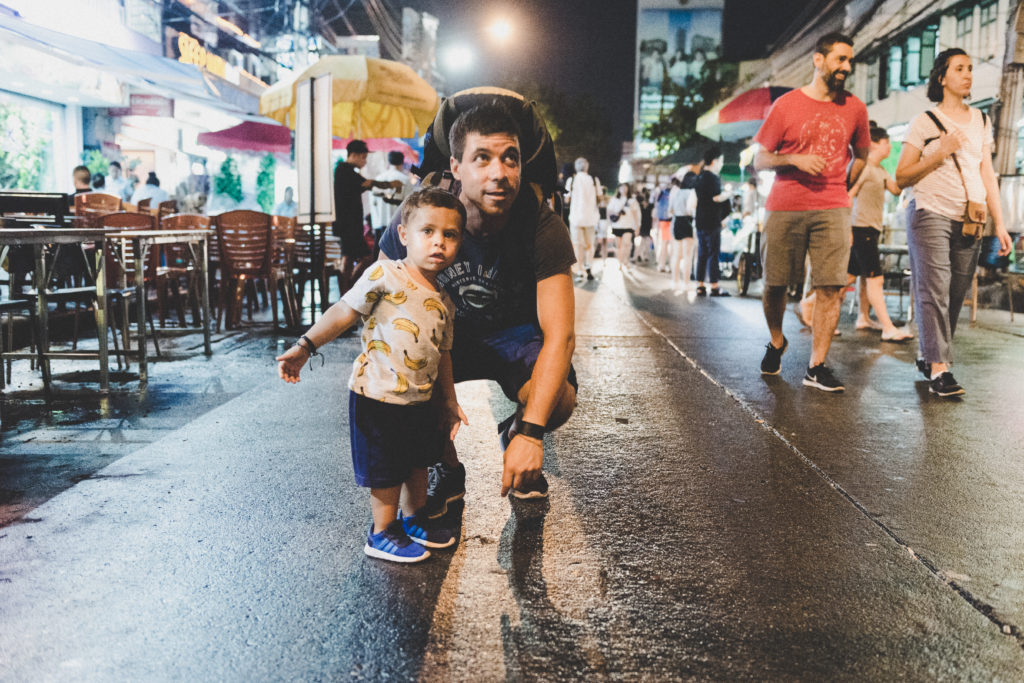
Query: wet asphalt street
(704,522)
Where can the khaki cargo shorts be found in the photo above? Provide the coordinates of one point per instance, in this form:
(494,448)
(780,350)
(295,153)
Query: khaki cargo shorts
(790,236)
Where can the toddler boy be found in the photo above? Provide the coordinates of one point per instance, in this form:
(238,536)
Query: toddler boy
(396,429)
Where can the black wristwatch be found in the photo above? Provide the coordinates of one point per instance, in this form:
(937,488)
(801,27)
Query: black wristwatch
(531,429)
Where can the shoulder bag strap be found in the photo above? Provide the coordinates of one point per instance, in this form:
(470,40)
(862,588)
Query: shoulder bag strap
(956,162)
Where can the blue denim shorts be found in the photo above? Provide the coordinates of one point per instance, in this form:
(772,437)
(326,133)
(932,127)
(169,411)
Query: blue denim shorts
(506,356)
(389,441)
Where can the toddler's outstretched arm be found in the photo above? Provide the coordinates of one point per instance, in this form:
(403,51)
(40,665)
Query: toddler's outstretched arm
(335,321)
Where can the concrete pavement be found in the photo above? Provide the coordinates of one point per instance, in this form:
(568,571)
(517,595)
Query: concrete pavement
(704,522)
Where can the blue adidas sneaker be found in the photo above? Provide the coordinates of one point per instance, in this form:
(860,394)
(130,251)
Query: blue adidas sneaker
(394,545)
(421,531)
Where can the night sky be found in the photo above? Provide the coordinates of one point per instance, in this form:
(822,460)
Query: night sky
(580,46)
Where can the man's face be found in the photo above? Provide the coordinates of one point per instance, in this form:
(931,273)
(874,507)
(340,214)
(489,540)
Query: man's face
(113,172)
(357,160)
(490,171)
(835,67)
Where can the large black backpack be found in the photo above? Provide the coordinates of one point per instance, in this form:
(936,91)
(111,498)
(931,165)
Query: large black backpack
(539,164)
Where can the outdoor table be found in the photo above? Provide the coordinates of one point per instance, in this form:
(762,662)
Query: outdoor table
(196,240)
(38,237)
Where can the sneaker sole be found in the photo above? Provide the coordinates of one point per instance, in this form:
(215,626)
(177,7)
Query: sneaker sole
(527,495)
(431,544)
(444,509)
(381,555)
(816,385)
(950,394)
(772,372)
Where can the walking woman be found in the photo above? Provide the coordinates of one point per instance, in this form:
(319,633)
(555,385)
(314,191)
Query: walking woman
(624,213)
(947,158)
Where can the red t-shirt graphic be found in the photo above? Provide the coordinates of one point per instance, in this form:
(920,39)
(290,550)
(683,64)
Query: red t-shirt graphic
(797,124)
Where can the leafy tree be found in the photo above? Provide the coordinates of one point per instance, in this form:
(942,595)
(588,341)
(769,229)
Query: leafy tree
(23,143)
(94,160)
(677,126)
(265,183)
(228,181)
(579,126)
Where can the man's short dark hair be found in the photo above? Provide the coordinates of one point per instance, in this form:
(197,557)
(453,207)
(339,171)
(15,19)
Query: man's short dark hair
(357,147)
(939,69)
(115,164)
(710,154)
(827,41)
(483,119)
(436,197)
(396,158)
(81,174)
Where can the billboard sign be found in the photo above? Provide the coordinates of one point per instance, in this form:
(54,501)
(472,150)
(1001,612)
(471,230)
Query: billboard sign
(677,51)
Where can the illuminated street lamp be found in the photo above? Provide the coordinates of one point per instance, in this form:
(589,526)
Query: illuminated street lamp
(500,30)
(457,58)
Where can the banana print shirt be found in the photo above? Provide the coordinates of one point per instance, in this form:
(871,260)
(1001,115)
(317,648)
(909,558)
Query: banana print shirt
(405,328)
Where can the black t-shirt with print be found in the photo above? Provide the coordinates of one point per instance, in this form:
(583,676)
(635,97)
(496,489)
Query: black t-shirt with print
(493,280)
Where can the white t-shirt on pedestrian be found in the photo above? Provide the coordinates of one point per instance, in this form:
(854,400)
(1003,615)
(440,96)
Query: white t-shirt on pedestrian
(942,191)
(582,189)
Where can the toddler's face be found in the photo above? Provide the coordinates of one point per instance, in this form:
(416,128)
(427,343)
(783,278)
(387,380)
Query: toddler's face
(432,238)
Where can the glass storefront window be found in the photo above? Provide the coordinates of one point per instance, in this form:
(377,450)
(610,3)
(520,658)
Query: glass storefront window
(28,130)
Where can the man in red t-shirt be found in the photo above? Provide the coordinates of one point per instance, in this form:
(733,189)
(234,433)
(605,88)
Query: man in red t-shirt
(807,140)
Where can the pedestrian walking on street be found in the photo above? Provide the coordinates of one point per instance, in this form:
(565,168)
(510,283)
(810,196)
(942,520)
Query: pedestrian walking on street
(868,195)
(581,193)
(806,139)
(514,298)
(663,231)
(713,204)
(947,158)
(396,429)
(624,214)
(682,204)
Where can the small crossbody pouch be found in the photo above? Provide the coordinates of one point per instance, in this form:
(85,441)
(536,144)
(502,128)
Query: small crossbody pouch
(976,213)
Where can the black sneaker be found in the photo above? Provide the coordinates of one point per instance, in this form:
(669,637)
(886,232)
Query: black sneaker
(590,276)
(924,368)
(538,488)
(717,291)
(445,484)
(821,377)
(771,364)
(702,291)
(945,386)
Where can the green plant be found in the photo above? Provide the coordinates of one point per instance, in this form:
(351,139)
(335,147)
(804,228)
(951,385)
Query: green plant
(94,160)
(228,181)
(265,183)
(22,150)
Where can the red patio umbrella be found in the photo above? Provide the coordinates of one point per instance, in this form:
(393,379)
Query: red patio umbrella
(250,136)
(741,116)
(383,145)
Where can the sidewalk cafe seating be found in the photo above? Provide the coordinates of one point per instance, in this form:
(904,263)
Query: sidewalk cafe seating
(25,209)
(246,251)
(174,267)
(91,206)
(283,263)
(121,275)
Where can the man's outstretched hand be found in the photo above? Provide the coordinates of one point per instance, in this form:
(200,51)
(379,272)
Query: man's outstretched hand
(524,458)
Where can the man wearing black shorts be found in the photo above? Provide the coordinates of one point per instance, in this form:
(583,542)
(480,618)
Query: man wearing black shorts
(349,186)
(512,287)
